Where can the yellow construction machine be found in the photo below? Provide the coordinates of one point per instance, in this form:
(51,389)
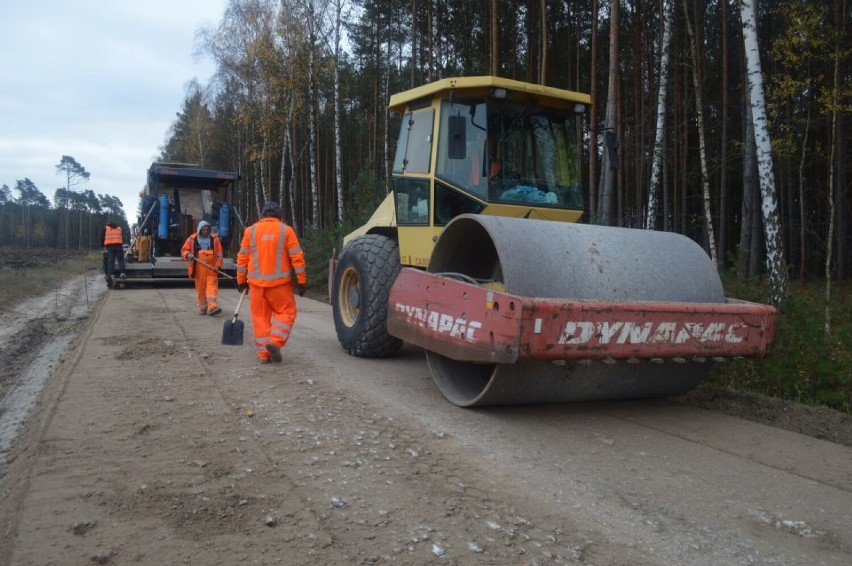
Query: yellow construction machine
(476,256)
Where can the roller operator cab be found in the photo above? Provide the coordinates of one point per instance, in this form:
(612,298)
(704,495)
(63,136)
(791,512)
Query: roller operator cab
(476,256)
(175,199)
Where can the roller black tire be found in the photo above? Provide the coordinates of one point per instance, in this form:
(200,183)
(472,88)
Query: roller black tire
(363,278)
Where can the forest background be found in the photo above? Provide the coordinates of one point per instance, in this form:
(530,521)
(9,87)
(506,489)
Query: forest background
(298,107)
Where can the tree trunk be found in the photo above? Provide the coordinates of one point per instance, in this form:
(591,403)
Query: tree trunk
(312,130)
(431,26)
(413,63)
(593,91)
(654,185)
(495,34)
(683,213)
(832,163)
(291,182)
(838,181)
(607,180)
(744,272)
(702,144)
(640,148)
(542,59)
(264,182)
(771,221)
(803,261)
(723,143)
(338,150)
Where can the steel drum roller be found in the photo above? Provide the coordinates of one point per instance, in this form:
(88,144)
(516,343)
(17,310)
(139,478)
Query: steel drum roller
(536,258)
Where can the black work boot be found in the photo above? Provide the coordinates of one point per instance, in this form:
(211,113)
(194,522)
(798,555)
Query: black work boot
(274,352)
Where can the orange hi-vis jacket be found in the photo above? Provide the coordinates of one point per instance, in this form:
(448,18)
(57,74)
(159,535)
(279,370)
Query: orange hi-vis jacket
(214,257)
(270,254)
(112,236)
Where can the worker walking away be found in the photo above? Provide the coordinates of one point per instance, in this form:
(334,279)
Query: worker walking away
(207,248)
(113,242)
(270,258)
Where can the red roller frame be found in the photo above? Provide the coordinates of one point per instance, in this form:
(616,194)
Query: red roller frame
(466,322)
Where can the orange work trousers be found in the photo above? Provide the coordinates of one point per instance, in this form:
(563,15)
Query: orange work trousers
(206,282)
(273,312)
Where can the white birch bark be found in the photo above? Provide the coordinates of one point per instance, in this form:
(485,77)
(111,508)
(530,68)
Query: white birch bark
(264,183)
(607,180)
(388,158)
(775,262)
(312,135)
(654,187)
(313,16)
(832,206)
(288,141)
(338,6)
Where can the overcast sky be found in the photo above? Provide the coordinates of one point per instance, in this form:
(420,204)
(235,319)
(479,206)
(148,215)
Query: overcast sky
(99,80)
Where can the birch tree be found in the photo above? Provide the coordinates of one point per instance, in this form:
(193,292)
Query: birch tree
(835,98)
(242,45)
(291,41)
(338,7)
(654,186)
(542,58)
(775,262)
(494,60)
(607,180)
(723,142)
(702,143)
(313,11)
(593,113)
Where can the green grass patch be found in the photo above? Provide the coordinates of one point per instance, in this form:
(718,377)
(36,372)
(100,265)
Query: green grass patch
(19,283)
(805,364)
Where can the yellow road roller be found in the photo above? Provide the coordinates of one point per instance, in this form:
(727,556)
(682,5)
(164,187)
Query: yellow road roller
(477,256)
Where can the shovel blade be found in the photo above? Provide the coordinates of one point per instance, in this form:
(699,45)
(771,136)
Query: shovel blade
(232,333)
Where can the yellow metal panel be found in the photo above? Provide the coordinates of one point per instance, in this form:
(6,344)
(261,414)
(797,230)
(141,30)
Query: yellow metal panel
(483,85)
(384,216)
(537,213)
(416,244)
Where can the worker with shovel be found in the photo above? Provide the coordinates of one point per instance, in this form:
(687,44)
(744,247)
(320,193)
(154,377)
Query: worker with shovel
(203,250)
(270,257)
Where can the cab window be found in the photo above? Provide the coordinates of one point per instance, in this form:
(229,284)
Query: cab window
(461,146)
(412,200)
(414,149)
(450,203)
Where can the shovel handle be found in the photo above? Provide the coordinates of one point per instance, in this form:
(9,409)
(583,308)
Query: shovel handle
(216,269)
(239,304)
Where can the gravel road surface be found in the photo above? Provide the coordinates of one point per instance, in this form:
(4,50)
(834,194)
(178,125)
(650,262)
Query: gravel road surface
(133,436)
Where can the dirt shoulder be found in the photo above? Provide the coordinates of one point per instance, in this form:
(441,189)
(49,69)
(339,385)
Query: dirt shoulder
(817,422)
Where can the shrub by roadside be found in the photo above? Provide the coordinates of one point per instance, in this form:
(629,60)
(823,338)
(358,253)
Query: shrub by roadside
(804,365)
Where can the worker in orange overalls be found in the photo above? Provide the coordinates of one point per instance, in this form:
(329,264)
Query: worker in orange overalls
(270,257)
(206,248)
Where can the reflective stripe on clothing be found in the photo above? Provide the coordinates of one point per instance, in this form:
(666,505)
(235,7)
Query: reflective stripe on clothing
(280,329)
(270,255)
(273,313)
(260,347)
(255,269)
